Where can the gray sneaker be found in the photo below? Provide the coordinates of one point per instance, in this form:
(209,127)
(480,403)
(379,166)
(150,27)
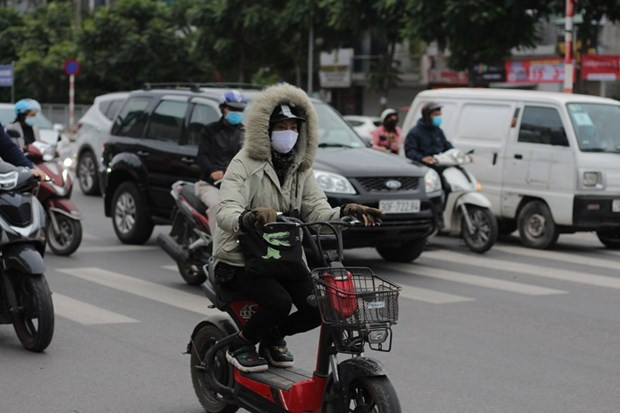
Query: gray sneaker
(277,354)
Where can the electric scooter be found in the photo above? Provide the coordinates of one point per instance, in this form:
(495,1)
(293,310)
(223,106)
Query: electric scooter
(64,229)
(189,241)
(25,297)
(357,308)
(467,211)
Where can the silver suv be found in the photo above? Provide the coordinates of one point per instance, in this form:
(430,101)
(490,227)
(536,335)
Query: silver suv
(93,131)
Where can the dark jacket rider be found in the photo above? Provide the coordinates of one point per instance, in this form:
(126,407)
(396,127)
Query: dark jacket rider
(426,138)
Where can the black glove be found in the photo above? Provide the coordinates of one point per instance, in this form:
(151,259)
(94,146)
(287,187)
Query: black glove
(258,217)
(366,214)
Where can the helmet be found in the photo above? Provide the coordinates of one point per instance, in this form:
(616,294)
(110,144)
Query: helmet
(285,111)
(388,112)
(429,108)
(24,106)
(234,100)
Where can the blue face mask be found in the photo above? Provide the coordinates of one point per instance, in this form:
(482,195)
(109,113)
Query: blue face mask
(234,118)
(30,121)
(437,121)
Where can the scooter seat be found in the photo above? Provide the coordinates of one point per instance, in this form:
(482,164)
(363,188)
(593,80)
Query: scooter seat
(187,191)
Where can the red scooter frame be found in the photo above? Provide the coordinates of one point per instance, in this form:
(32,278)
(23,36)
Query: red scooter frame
(222,388)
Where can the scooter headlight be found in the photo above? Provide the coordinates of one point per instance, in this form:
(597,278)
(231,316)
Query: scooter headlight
(67,162)
(377,336)
(432,182)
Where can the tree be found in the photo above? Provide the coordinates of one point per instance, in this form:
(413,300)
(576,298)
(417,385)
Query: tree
(476,31)
(130,43)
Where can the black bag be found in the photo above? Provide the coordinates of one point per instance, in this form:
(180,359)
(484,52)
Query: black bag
(274,251)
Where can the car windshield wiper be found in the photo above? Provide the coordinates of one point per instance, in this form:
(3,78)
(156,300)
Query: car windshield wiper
(334,145)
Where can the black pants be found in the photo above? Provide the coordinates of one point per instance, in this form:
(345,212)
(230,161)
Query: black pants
(275,298)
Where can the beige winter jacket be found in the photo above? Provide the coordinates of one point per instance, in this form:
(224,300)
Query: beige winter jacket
(250,180)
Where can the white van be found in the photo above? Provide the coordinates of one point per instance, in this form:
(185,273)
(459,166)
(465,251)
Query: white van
(549,162)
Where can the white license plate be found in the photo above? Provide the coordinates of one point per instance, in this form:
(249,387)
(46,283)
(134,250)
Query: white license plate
(401,206)
(615,205)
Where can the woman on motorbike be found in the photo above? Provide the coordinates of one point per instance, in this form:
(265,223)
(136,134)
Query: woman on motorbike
(273,173)
(26,111)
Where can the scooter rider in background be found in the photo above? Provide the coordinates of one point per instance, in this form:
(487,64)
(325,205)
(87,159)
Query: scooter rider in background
(426,139)
(11,153)
(387,137)
(26,111)
(219,143)
(273,173)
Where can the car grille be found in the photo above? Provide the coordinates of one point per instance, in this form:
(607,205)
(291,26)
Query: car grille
(374,184)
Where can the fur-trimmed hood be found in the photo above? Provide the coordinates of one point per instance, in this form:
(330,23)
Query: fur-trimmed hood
(257,141)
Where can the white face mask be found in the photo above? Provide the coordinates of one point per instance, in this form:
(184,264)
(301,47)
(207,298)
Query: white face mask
(283,141)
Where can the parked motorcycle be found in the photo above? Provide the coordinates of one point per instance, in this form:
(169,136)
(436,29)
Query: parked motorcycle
(189,242)
(467,211)
(64,230)
(25,298)
(357,309)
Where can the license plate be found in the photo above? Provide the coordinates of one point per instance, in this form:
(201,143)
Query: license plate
(615,205)
(402,206)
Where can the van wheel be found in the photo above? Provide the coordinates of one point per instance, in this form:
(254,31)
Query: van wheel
(610,238)
(536,226)
(129,215)
(406,252)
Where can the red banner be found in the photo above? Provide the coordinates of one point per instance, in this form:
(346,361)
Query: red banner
(535,71)
(600,67)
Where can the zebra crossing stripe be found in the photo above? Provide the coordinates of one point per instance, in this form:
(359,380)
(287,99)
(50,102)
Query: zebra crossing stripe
(478,281)
(526,269)
(84,313)
(561,256)
(431,296)
(146,289)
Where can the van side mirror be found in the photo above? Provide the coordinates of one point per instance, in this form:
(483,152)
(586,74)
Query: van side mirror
(13,133)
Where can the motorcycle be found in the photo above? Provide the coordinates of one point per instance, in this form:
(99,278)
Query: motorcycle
(189,242)
(357,308)
(25,297)
(64,230)
(467,211)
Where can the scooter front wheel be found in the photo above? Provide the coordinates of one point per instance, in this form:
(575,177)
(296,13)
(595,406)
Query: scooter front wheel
(368,394)
(34,323)
(68,237)
(201,343)
(484,228)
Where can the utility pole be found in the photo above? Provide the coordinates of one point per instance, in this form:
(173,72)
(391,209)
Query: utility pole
(310,56)
(568,52)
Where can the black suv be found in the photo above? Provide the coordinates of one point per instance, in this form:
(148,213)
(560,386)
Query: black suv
(154,141)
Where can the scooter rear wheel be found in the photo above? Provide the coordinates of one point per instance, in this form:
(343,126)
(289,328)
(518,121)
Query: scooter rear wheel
(368,394)
(34,323)
(203,340)
(68,238)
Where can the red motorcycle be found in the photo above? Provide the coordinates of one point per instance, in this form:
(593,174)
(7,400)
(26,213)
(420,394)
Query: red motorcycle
(357,308)
(64,227)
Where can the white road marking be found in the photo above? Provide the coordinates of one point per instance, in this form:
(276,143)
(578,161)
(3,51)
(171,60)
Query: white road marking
(118,248)
(562,256)
(142,288)
(85,313)
(478,281)
(526,269)
(431,296)
(90,237)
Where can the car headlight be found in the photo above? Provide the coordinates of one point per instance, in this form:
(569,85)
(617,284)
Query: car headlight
(334,183)
(593,180)
(432,181)
(67,162)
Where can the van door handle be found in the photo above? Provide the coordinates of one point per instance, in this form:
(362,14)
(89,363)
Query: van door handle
(188,159)
(142,153)
(518,156)
(494,158)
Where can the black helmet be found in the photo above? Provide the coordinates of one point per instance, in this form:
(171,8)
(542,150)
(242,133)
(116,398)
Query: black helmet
(429,108)
(285,111)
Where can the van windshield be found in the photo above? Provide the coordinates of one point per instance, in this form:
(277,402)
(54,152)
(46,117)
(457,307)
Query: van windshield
(597,126)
